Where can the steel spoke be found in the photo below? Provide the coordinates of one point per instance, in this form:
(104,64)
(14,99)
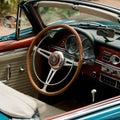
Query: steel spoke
(43,52)
(49,78)
(69,62)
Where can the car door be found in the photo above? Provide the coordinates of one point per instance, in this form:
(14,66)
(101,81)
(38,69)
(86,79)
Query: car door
(15,38)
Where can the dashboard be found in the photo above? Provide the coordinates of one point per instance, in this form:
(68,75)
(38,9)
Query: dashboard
(106,66)
(101,61)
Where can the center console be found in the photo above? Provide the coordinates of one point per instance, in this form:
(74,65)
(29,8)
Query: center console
(106,68)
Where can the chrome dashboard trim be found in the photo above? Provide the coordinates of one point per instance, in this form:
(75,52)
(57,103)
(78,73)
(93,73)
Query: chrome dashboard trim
(106,64)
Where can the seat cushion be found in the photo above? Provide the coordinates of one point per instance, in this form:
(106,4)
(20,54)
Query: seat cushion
(16,104)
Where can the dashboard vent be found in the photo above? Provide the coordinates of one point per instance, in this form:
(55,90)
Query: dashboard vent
(106,56)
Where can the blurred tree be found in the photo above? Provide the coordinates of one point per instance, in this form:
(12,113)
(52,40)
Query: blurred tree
(8,7)
(3,7)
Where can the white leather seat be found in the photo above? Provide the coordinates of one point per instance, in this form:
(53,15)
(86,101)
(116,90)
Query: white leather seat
(19,105)
(16,104)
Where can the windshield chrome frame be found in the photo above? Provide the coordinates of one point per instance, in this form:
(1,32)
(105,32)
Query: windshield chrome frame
(89,8)
(18,22)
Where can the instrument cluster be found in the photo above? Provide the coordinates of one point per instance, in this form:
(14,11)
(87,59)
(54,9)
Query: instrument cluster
(88,48)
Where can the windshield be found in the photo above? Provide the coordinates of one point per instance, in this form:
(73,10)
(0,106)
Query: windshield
(58,12)
(52,14)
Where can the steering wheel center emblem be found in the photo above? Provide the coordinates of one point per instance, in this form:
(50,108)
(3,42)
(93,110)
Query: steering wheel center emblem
(56,60)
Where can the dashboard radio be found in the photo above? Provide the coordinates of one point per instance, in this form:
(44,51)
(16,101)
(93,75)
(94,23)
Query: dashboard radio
(110,81)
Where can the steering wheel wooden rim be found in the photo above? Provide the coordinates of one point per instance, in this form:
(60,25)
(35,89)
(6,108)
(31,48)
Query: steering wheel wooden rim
(36,40)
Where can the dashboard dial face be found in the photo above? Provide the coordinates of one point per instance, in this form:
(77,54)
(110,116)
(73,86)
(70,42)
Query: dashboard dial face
(71,44)
(72,47)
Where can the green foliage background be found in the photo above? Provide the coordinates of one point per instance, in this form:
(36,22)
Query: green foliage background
(8,7)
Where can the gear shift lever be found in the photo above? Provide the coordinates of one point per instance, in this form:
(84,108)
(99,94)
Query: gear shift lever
(93,91)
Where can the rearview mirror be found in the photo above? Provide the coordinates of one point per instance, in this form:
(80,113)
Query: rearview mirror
(9,21)
(105,32)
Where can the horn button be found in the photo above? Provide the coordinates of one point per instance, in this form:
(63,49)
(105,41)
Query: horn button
(56,60)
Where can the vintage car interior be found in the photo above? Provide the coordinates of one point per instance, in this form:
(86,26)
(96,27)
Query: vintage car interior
(66,56)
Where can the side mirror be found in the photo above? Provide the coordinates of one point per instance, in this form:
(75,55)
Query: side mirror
(9,21)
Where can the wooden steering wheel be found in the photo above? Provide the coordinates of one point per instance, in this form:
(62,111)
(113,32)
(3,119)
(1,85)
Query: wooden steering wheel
(52,80)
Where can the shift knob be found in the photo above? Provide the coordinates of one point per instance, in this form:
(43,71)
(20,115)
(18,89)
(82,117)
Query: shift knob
(93,92)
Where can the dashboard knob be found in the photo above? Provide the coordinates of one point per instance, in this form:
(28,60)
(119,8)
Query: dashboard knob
(115,59)
(94,74)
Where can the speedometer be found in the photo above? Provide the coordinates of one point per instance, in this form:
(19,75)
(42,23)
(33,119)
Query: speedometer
(71,44)
(88,51)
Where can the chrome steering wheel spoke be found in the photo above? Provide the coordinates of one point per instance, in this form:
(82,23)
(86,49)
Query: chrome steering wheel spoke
(50,76)
(43,52)
(69,62)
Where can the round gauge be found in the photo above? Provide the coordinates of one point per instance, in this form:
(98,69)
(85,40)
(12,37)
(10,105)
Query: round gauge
(71,44)
(88,52)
